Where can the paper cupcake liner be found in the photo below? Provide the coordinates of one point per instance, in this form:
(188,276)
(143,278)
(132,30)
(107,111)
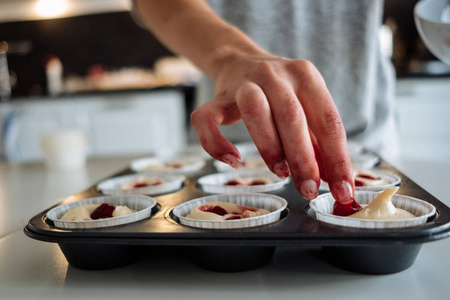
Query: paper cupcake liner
(364,161)
(393,179)
(215,183)
(191,164)
(254,162)
(172,182)
(323,207)
(272,203)
(142,204)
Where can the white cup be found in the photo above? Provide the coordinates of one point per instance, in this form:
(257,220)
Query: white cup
(64,149)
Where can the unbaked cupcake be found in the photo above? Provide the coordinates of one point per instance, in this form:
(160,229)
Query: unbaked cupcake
(242,181)
(421,210)
(273,204)
(132,208)
(145,183)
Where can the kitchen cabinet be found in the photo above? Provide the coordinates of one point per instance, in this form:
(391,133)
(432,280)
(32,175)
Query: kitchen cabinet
(120,123)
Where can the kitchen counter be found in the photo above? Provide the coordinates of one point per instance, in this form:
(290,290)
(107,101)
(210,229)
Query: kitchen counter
(33,269)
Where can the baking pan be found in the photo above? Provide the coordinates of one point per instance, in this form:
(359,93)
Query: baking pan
(379,251)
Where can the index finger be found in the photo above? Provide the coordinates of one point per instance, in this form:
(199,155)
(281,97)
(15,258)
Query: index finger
(327,126)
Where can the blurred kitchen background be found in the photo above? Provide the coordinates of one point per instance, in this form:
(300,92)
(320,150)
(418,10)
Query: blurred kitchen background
(86,64)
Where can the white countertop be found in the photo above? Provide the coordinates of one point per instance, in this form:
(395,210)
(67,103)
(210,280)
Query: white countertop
(31,269)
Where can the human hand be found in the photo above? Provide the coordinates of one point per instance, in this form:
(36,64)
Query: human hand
(290,116)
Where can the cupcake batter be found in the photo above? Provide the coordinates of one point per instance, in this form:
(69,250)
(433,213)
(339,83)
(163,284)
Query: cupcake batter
(222,211)
(85,212)
(381,208)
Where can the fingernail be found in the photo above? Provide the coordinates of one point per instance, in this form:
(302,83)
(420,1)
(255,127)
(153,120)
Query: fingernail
(281,169)
(231,160)
(342,192)
(308,189)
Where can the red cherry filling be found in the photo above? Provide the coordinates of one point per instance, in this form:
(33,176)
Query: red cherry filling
(233,217)
(213,209)
(359,183)
(232,182)
(103,211)
(346,209)
(368,177)
(139,185)
(257,182)
(174,165)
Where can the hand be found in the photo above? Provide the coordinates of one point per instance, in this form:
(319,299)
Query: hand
(290,116)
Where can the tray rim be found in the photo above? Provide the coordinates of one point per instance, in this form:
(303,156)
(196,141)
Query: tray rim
(436,229)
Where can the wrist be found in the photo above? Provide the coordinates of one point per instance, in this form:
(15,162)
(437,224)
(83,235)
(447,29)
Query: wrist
(231,52)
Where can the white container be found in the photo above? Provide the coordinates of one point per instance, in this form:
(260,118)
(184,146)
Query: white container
(141,204)
(64,149)
(323,207)
(215,183)
(113,186)
(274,204)
(434,32)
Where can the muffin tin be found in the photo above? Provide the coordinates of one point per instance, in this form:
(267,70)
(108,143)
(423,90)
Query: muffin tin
(361,250)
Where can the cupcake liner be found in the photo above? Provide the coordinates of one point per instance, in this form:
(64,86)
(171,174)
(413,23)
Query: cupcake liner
(142,204)
(190,164)
(393,179)
(364,161)
(215,183)
(323,207)
(253,162)
(272,203)
(172,182)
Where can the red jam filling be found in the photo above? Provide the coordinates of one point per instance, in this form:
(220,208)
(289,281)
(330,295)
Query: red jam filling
(103,211)
(359,183)
(232,182)
(257,182)
(346,209)
(213,209)
(139,185)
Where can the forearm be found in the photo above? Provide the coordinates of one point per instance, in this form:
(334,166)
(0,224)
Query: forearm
(190,28)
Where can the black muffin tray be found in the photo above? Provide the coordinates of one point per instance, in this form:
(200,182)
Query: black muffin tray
(379,251)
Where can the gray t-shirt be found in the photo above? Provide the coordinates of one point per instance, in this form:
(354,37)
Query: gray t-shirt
(341,38)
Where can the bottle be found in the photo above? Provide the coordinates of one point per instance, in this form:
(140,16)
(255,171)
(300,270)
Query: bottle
(5,85)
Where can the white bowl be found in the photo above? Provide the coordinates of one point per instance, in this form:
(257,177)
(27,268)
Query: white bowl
(272,203)
(215,183)
(142,204)
(433,31)
(323,207)
(112,186)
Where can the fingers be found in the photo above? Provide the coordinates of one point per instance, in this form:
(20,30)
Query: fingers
(292,128)
(206,120)
(329,132)
(257,116)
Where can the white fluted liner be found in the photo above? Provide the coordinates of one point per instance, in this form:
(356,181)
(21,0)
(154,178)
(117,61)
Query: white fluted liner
(365,161)
(393,179)
(215,183)
(191,164)
(272,203)
(323,207)
(112,186)
(254,162)
(142,204)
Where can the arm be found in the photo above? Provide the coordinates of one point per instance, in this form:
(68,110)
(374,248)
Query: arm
(284,103)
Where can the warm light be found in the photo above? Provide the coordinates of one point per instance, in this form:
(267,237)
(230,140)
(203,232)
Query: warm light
(51,8)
